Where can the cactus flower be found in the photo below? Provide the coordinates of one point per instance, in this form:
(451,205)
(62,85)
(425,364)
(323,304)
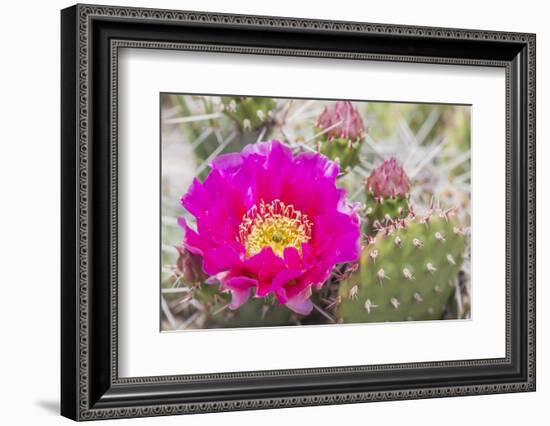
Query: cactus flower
(343,130)
(271,223)
(389,180)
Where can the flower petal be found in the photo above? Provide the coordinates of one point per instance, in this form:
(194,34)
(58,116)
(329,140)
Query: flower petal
(220,259)
(191,240)
(292,258)
(240,290)
(280,281)
(301,303)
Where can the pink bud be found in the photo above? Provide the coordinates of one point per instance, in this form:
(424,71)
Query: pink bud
(189,265)
(342,120)
(388,180)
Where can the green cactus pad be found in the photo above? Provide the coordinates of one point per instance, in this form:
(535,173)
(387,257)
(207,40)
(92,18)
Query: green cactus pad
(342,150)
(255,110)
(382,209)
(407,273)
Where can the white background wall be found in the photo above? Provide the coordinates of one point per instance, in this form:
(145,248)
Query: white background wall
(29,212)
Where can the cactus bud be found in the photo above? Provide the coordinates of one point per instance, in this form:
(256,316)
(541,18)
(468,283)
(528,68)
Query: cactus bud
(389,180)
(343,121)
(189,265)
(343,131)
(387,193)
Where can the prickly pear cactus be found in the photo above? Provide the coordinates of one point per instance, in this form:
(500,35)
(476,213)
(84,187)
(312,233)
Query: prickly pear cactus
(250,113)
(406,273)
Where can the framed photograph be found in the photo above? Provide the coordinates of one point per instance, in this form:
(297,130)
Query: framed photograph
(263,212)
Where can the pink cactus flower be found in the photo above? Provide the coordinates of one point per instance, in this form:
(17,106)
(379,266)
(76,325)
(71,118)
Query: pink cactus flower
(342,121)
(389,180)
(270,222)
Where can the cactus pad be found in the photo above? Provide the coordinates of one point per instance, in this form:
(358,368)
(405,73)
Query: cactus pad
(406,273)
(387,209)
(250,113)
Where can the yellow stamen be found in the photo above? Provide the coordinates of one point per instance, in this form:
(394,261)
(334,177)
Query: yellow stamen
(274,225)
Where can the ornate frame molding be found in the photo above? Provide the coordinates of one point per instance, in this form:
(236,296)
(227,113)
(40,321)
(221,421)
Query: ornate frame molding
(78,23)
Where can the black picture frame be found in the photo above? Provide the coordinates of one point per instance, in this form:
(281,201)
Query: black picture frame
(90,38)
